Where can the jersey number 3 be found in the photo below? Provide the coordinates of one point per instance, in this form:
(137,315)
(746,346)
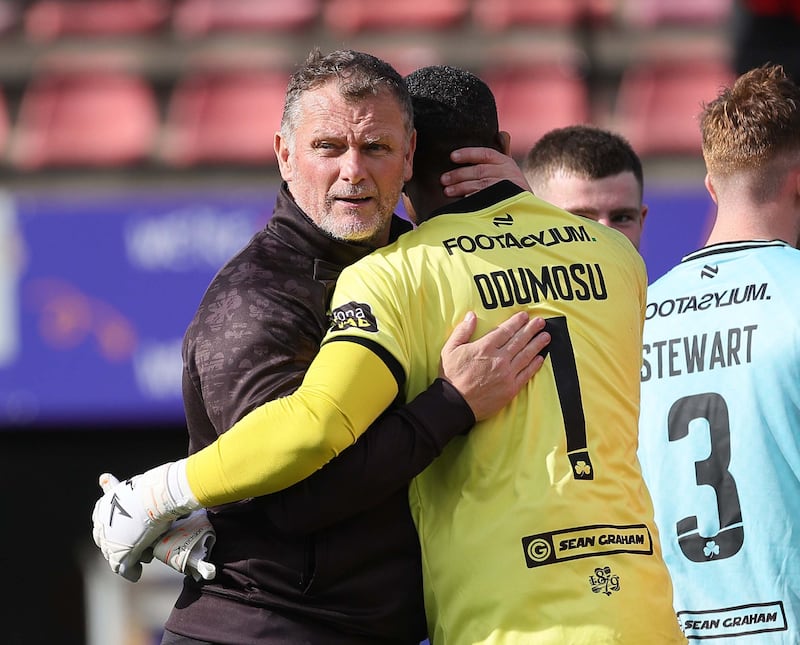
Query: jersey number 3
(712,471)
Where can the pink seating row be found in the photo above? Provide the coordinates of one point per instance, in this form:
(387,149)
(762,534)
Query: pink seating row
(113,118)
(48,19)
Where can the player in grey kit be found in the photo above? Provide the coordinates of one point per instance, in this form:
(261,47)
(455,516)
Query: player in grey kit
(720,418)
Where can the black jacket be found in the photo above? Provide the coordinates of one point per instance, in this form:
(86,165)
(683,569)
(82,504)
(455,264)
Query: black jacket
(335,559)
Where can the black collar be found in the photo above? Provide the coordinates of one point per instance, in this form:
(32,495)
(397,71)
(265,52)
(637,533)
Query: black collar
(485,198)
(297,230)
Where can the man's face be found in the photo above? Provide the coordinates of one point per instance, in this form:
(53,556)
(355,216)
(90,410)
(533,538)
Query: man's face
(613,201)
(348,162)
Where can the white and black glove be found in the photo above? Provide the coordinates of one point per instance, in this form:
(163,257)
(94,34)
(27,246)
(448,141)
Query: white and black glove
(131,515)
(187,544)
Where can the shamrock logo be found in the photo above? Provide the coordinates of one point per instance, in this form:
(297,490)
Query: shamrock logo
(711,549)
(582,468)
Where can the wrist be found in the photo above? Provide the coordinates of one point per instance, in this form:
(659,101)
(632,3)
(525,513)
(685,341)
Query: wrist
(179,489)
(457,405)
(167,492)
(442,411)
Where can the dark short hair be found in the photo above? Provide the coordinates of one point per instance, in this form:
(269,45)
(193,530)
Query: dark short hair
(453,108)
(582,150)
(358,75)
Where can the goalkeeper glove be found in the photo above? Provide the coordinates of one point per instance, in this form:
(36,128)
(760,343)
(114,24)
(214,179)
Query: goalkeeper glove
(131,515)
(186,545)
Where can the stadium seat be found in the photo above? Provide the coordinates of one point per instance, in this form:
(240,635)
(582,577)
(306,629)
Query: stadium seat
(535,99)
(351,16)
(658,103)
(193,18)
(46,20)
(653,13)
(224,117)
(91,119)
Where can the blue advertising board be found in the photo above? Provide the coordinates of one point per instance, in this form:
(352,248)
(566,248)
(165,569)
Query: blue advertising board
(96,292)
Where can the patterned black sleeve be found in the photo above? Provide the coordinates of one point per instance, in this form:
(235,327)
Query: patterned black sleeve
(396,448)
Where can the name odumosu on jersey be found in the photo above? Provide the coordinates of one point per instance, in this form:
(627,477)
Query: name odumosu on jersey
(525,285)
(510,287)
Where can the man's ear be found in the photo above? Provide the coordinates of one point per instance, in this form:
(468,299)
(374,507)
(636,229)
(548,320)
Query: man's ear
(504,139)
(797,184)
(710,188)
(282,153)
(409,157)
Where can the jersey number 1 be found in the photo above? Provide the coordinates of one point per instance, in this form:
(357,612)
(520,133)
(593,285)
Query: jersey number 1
(569,396)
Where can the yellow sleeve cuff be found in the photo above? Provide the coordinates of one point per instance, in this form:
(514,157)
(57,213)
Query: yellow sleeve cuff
(284,441)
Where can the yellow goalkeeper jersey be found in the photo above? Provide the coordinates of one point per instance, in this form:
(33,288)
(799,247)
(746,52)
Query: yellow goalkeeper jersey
(535,527)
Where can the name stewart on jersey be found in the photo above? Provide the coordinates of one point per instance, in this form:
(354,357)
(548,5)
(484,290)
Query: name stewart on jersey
(547,237)
(525,285)
(689,354)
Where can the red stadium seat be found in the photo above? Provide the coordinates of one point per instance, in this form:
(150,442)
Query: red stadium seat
(200,17)
(351,16)
(92,119)
(658,104)
(535,99)
(46,20)
(227,117)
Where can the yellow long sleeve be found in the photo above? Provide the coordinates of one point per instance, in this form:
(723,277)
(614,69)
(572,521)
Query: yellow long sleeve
(284,441)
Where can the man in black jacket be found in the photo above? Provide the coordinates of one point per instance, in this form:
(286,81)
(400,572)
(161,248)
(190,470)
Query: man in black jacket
(289,570)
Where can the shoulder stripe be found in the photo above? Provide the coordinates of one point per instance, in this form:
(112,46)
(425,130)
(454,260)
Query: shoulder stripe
(730,247)
(381,352)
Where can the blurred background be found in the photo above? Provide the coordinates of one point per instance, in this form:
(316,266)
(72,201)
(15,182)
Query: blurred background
(136,157)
